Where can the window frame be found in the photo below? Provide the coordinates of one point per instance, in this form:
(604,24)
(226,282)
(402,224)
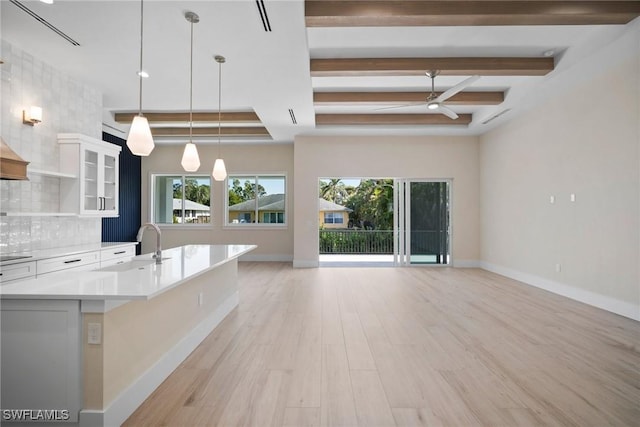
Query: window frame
(183,176)
(256,212)
(333,216)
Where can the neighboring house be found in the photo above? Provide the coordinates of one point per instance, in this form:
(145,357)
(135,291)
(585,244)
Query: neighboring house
(332,215)
(271,210)
(193,212)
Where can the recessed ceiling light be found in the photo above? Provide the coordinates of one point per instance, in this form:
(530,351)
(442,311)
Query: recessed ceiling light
(549,52)
(143,74)
(47,1)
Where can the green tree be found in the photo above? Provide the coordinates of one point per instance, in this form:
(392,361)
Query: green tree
(334,191)
(239,193)
(372,202)
(199,193)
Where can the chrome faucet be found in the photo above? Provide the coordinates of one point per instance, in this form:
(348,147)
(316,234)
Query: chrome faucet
(158,253)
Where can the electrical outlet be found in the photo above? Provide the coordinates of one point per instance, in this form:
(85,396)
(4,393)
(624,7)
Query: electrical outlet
(200,299)
(94,333)
(572,197)
(558,268)
(552,199)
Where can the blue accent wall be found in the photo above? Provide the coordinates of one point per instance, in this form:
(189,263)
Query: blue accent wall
(125,227)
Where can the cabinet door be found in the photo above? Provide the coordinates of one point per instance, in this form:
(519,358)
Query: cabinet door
(100,183)
(90,181)
(109,189)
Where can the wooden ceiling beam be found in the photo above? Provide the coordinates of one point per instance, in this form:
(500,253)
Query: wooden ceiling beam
(500,66)
(210,131)
(379,98)
(226,117)
(349,13)
(390,119)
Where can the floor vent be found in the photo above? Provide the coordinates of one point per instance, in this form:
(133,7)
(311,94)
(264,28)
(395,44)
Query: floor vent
(496,116)
(293,116)
(45,22)
(263,15)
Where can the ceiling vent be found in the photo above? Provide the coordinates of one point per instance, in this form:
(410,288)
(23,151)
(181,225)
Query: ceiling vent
(263,15)
(293,117)
(496,116)
(45,22)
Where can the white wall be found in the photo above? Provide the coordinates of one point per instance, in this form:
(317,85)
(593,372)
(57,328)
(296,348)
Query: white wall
(274,244)
(68,106)
(584,140)
(387,157)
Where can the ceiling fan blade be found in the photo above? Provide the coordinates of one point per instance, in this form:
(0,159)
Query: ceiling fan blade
(413,104)
(447,112)
(457,88)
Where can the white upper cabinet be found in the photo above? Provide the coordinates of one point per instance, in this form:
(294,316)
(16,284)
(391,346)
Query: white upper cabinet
(95,162)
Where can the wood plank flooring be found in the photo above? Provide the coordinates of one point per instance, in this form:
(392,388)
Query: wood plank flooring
(403,347)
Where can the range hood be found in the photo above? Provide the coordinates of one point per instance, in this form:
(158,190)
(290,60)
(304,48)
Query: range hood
(12,166)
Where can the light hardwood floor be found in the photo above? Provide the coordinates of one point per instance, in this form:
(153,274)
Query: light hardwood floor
(403,347)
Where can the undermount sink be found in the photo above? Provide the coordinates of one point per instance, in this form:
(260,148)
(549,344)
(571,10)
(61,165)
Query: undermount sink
(147,257)
(137,263)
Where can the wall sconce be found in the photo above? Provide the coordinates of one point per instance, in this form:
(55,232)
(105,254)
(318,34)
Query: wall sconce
(32,116)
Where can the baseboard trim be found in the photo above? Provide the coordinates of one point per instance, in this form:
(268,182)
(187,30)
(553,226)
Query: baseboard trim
(266,258)
(306,263)
(129,400)
(604,302)
(466,263)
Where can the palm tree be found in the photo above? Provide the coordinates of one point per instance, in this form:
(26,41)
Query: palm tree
(333,190)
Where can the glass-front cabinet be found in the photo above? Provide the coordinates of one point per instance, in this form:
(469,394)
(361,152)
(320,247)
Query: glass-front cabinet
(95,162)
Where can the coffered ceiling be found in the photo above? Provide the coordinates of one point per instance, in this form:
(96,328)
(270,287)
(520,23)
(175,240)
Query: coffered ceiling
(317,67)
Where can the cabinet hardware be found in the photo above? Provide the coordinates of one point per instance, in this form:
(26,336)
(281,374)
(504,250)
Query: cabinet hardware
(73,260)
(120,252)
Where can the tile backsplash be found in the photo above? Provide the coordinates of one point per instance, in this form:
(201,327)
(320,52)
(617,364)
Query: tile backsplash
(69,106)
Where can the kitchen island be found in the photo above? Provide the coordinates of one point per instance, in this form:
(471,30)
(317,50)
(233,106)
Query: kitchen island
(95,344)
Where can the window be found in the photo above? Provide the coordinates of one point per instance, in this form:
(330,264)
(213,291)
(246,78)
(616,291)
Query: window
(273,218)
(333,218)
(256,199)
(181,199)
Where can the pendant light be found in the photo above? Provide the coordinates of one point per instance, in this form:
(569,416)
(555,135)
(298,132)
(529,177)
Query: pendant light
(219,170)
(139,140)
(190,159)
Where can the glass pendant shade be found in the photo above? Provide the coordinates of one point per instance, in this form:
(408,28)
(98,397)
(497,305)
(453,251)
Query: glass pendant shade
(190,159)
(140,141)
(219,170)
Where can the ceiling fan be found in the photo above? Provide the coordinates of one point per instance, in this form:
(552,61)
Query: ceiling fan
(435,102)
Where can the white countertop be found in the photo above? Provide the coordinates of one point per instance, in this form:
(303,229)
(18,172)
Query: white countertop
(66,250)
(140,278)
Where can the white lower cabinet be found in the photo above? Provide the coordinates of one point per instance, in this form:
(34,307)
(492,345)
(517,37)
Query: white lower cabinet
(109,257)
(84,261)
(11,272)
(41,358)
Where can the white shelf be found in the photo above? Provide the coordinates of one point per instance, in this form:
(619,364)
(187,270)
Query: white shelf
(37,214)
(50,173)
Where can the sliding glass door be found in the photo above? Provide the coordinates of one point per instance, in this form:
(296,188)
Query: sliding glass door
(422,222)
